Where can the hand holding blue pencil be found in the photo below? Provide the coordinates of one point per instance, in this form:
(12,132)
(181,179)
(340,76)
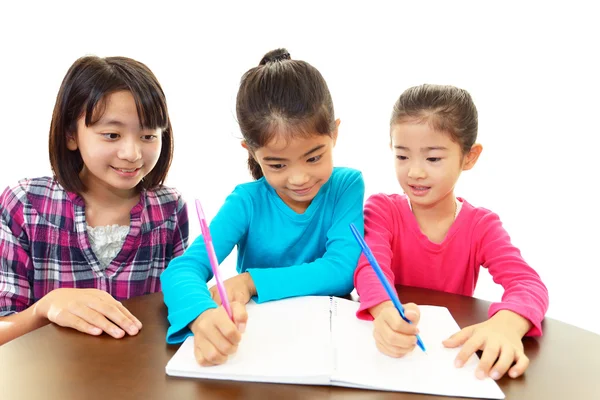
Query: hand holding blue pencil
(388,288)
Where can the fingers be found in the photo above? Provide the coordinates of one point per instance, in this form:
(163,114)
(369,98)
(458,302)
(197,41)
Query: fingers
(412,312)
(127,313)
(394,350)
(113,310)
(240,315)
(206,353)
(216,336)
(519,368)
(214,294)
(97,318)
(70,320)
(507,355)
(392,318)
(459,338)
(83,319)
(471,346)
(488,358)
(394,336)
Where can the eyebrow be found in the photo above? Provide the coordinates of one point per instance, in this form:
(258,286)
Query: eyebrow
(316,148)
(430,148)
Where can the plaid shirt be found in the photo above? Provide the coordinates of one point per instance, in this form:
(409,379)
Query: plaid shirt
(44,244)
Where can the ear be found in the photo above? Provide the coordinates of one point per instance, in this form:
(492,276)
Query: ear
(335,132)
(250,152)
(71,142)
(472,156)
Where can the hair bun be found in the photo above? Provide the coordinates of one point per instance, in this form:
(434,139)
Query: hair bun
(274,56)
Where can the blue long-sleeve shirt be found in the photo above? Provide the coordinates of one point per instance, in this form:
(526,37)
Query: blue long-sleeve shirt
(287,254)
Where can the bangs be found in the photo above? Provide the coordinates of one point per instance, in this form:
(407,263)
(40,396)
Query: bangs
(151,111)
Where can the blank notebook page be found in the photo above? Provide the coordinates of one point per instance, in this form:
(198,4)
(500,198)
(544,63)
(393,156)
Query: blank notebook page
(359,362)
(278,345)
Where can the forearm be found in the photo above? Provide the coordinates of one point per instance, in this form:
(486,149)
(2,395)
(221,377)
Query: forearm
(15,325)
(319,278)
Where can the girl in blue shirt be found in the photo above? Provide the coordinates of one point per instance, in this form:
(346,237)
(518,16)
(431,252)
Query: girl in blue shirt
(291,225)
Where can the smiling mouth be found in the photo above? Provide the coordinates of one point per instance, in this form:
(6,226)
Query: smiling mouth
(126,170)
(302,191)
(419,188)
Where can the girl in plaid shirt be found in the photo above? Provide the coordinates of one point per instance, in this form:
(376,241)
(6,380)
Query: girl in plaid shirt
(104,227)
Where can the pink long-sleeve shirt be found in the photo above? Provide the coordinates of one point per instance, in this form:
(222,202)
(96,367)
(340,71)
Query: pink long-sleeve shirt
(476,238)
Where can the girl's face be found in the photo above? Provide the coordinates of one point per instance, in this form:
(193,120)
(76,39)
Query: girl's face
(428,162)
(297,168)
(116,151)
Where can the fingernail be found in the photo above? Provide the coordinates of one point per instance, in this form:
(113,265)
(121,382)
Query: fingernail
(133,330)
(138,324)
(495,375)
(458,363)
(242,327)
(95,331)
(411,312)
(480,374)
(116,332)
(512,373)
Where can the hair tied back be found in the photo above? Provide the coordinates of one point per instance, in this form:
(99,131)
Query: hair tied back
(274,56)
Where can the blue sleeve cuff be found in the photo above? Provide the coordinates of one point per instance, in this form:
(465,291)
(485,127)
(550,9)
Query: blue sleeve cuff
(179,329)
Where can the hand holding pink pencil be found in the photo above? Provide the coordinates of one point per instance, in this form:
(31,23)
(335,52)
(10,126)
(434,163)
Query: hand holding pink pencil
(212,256)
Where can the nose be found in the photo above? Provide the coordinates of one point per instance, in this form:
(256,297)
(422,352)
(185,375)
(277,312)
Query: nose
(130,151)
(416,172)
(298,178)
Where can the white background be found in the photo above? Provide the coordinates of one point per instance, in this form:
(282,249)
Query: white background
(531,68)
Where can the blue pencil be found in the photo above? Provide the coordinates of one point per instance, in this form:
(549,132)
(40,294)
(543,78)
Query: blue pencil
(388,288)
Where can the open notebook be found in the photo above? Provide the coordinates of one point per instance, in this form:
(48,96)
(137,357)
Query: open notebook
(319,341)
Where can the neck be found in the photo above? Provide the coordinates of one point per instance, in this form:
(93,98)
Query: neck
(444,208)
(98,192)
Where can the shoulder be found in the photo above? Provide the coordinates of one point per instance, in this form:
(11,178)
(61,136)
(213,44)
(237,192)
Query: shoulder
(480,219)
(478,213)
(386,205)
(43,196)
(251,194)
(163,202)
(342,176)
(392,201)
(344,181)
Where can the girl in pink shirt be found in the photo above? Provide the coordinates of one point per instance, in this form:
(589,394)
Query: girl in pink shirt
(430,238)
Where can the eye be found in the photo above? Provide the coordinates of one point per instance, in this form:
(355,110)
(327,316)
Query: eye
(110,136)
(276,166)
(402,158)
(314,159)
(149,138)
(434,159)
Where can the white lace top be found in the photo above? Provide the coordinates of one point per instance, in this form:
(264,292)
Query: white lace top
(107,241)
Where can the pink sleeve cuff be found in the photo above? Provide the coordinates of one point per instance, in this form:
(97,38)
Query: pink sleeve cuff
(363,311)
(525,312)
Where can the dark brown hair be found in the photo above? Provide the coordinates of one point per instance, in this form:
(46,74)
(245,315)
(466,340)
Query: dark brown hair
(83,93)
(282,96)
(446,108)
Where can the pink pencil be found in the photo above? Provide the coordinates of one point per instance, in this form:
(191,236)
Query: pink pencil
(212,256)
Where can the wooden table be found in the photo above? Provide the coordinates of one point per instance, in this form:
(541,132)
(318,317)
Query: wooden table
(59,363)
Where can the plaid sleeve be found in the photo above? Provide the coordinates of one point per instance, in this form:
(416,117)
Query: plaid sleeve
(181,231)
(15,290)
